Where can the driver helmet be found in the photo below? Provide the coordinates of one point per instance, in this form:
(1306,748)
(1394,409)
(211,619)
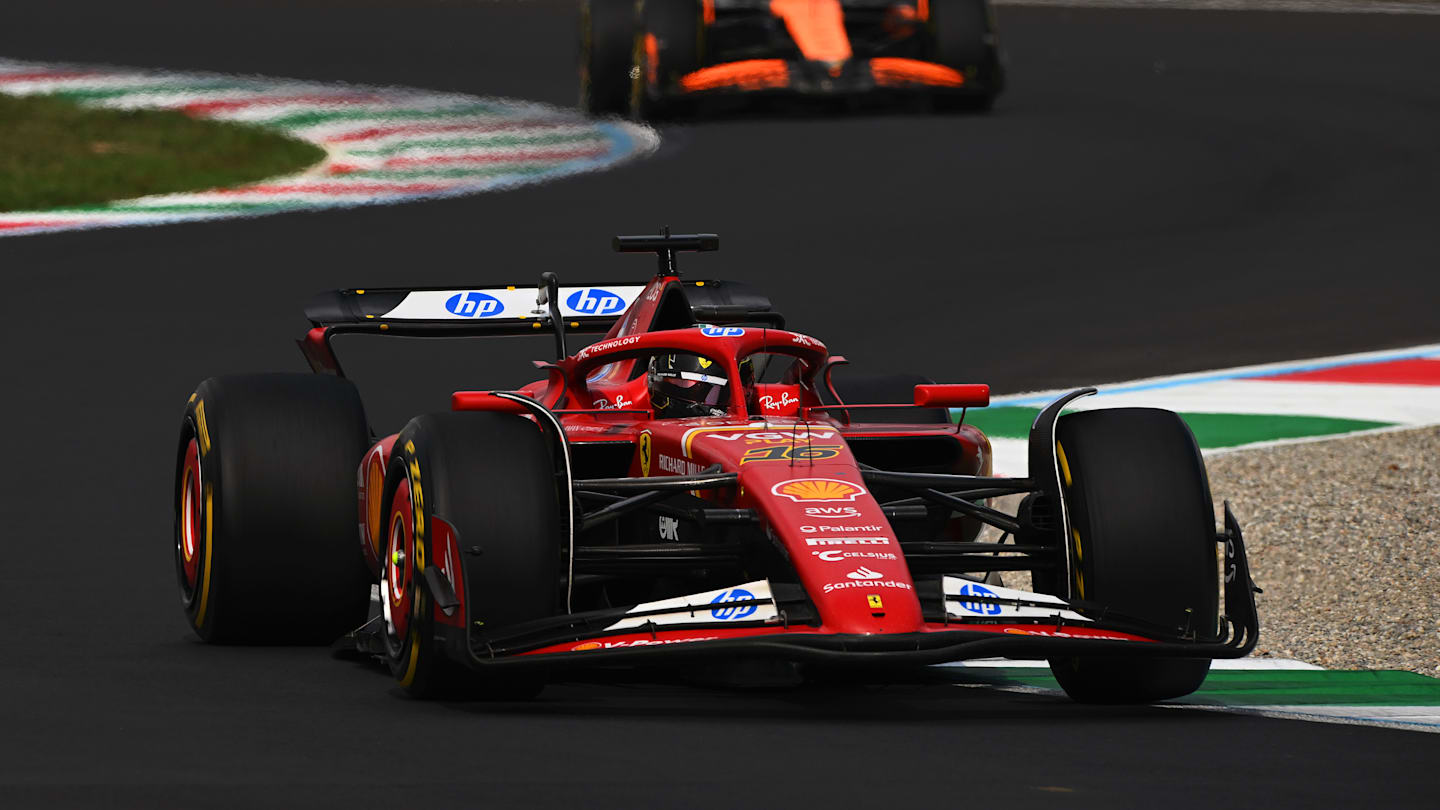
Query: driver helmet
(689,385)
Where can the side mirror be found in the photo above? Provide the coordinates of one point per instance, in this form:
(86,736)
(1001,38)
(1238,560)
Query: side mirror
(484,401)
(974,395)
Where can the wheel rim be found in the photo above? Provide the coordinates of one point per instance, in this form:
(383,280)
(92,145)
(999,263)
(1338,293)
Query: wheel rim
(188,537)
(397,584)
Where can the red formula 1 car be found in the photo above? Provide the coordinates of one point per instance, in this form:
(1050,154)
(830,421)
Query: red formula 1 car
(693,487)
(656,57)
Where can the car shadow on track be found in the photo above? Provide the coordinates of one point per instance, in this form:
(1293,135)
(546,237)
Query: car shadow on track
(924,698)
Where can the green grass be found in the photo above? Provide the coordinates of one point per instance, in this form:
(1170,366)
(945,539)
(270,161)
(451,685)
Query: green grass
(1211,429)
(1386,687)
(54,152)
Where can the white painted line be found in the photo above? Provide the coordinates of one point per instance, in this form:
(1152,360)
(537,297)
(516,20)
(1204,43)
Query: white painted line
(462,144)
(1409,718)
(1404,404)
(1043,398)
(1228,664)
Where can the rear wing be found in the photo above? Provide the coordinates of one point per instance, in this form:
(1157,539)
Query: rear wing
(512,310)
(480,311)
(476,310)
(516,310)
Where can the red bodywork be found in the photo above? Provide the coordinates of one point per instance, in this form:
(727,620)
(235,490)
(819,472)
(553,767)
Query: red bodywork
(794,464)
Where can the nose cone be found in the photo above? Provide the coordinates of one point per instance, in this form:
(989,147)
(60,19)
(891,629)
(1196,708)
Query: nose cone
(840,543)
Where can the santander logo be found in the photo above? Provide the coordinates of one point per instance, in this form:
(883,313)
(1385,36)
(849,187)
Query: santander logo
(865,573)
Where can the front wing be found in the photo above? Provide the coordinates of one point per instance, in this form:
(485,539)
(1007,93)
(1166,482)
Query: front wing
(807,78)
(964,620)
(935,645)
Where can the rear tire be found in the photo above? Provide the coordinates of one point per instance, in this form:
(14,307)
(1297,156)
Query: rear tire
(491,477)
(963,37)
(607,50)
(265,544)
(1143,545)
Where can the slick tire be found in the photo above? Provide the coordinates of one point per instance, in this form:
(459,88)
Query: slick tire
(265,544)
(491,478)
(669,46)
(963,37)
(887,388)
(1142,545)
(607,48)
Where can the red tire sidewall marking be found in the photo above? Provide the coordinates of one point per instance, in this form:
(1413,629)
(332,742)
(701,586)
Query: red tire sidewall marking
(401,574)
(190,519)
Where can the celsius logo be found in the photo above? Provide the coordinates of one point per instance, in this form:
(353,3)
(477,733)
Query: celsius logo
(473,305)
(721,331)
(728,612)
(979,608)
(595,301)
(842,556)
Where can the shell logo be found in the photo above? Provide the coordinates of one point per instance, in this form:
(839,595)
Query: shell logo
(813,490)
(588,645)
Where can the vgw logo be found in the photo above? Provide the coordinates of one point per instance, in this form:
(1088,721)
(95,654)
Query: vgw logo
(595,301)
(728,612)
(473,305)
(980,608)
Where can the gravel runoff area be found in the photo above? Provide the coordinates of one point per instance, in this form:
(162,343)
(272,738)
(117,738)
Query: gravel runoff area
(1344,538)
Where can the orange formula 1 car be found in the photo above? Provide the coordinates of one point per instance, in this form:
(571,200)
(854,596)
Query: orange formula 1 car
(653,58)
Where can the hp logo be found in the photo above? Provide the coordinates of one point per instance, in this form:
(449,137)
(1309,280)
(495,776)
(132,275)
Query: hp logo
(721,331)
(727,612)
(473,305)
(980,608)
(595,301)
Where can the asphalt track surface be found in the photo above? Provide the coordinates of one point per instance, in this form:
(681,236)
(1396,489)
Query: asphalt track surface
(1160,192)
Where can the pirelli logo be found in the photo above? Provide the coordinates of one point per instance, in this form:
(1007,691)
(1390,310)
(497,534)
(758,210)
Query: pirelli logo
(847,541)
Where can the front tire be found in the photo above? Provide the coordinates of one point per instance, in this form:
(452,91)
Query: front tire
(607,43)
(265,548)
(963,37)
(1142,545)
(490,477)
